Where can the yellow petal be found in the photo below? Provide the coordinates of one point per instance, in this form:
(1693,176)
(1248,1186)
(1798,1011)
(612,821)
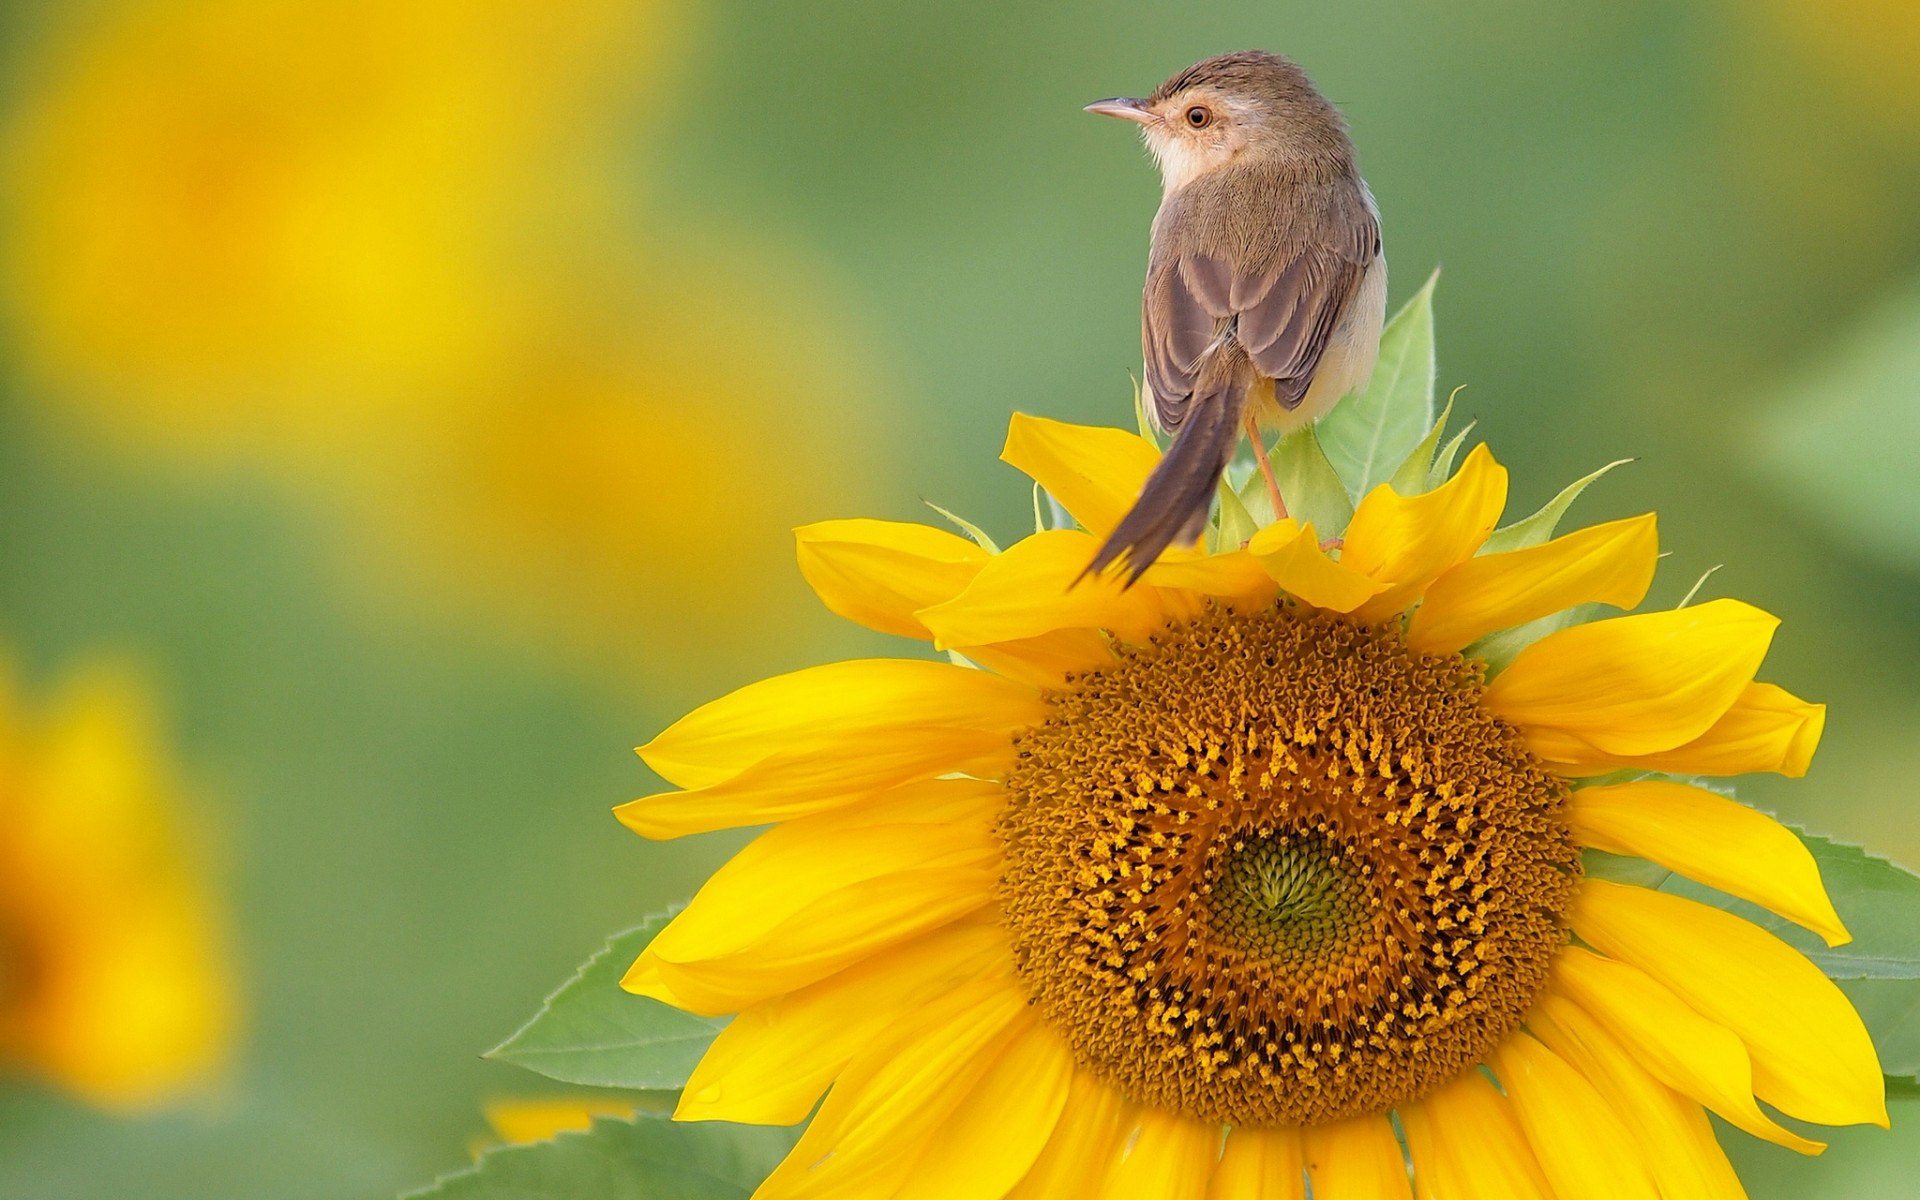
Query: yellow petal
(1672,1132)
(1096,473)
(1290,554)
(1767,729)
(1681,1048)
(1035,587)
(1171,1158)
(1406,542)
(1713,840)
(813,896)
(1261,1164)
(1045,661)
(837,709)
(896,1096)
(1605,564)
(879,573)
(786,787)
(1584,1150)
(1087,1141)
(1356,1159)
(995,1134)
(1812,1058)
(771,1063)
(1634,685)
(1235,577)
(1466,1144)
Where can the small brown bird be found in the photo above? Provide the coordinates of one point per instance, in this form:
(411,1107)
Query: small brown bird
(1266,287)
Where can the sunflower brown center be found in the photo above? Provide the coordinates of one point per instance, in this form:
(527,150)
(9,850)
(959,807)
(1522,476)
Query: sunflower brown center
(1278,869)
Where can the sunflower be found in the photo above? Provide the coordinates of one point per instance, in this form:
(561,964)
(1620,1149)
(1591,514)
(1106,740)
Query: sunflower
(1262,874)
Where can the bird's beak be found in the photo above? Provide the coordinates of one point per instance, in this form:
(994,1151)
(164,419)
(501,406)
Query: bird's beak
(1124,107)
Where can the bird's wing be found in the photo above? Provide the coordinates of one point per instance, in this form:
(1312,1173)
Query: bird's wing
(1283,314)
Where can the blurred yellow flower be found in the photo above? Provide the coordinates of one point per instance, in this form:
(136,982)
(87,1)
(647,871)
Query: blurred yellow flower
(245,223)
(114,983)
(626,427)
(1869,49)
(519,1120)
(389,253)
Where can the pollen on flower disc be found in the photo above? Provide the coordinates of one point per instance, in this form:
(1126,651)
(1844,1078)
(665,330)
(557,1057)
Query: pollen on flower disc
(1278,869)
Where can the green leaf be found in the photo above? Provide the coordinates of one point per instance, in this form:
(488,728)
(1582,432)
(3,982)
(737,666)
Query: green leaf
(1891,1009)
(646,1159)
(1902,1089)
(1415,475)
(1841,445)
(1370,433)
(1308,484)
(1534,530)
(967,527)
(590,1032)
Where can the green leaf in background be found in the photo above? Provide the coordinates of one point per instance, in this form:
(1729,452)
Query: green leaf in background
(1415,474)
(1891,1009)
(1307,483)
(1533,530)
(646,1159)
(1843,442)
(1878,901)
(1369,434)
(590,1032)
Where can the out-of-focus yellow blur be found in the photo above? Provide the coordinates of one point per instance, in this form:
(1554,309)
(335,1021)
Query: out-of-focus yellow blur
(114,976)
(399,256)
(425,393)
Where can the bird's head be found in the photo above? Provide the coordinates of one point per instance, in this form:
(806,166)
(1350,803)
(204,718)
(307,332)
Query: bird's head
(1224,109)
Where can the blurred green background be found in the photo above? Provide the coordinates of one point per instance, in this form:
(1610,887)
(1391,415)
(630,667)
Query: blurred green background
(423,392)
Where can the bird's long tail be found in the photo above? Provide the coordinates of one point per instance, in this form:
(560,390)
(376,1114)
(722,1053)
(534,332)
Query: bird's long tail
(1174,503)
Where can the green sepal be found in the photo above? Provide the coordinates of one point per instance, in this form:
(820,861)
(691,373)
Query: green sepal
(1234,526)
(1443,462)
(967,527)
(1498,650)
(648,1158)
(1415,475)
(591,1032)
(1536,529)
(1369,434)
(1148,431)
(1699,583)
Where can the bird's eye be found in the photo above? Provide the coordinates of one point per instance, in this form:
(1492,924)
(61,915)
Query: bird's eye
(1199,116)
